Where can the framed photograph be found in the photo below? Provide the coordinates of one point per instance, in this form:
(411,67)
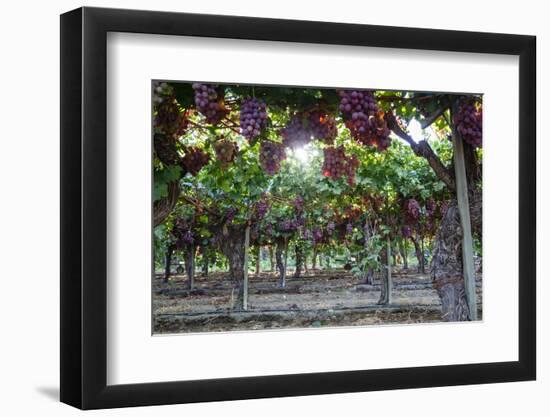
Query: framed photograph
(259,208)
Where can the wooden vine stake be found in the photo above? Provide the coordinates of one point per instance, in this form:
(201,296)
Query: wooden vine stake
(464,211)
(245,266)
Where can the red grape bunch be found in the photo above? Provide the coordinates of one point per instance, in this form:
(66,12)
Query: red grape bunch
(210,102)
(296,133)
(337,164)
(226,151)
(364,119)
(271,156)
(161,91)
(194,159)
(261,207)
(317,235)
(303,127)
(253,118)
(182,233)
(412,211)
(469,122)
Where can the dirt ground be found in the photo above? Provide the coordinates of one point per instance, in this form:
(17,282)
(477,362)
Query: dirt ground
(317,299)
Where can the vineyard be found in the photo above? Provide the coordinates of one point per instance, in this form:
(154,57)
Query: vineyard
(280,207)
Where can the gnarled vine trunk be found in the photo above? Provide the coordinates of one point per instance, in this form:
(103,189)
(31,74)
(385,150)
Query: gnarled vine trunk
(232,246)
(163,207)
(403,252)
(281,264)
(446,265)
(419,255)
(190,265)
(299,260)
(168,262)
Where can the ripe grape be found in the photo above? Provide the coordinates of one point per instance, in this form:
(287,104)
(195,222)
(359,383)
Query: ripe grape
(226,151)
(363,118)
(406,231)
(271,156)
(230,215)
(262,207)
(305,126)
(194,159)
(253,118)
(165,149)
(317,235)
(337,164)
(412,211)
(170,119)
(210,102)
(469,123)
(349,228)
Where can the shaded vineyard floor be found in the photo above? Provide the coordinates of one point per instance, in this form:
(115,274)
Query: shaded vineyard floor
(317,299)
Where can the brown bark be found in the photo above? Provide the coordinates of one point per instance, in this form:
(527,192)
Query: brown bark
(279,249)
(232,246)
(446,266)
(299,260)
(163,207)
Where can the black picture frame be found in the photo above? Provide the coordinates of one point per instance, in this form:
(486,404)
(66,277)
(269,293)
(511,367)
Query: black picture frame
(84,207)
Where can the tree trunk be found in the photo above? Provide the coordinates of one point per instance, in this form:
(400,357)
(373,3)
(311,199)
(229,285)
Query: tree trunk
(299,260)
(465,223)
(245,267)
(280,247)
(190,266)
(419,255)
(386,280)
(163,207)
(168,262)
(403,251)
(446,265)
(232,246)
(314,259)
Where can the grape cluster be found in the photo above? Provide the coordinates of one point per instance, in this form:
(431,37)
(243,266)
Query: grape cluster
(169,118)
(253,118)
(364,119)
(161,91)
(287,225)
(298,204)
(296,133)
(330,228)
(165,149)
(182,233)
(226,151)
(230,215)
(303,127)
(406,231)
(194,159)
(337,164)
(469,122)
(349,228)
(271,156)
(210,102)
(262,207)
(412,211)
(317,235)
(323,126)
